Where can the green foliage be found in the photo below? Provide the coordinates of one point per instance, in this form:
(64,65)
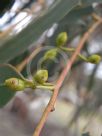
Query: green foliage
(86,134)
(86,2)
(19,43)
(13,46)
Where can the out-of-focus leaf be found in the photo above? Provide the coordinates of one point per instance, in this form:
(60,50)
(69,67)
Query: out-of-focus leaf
(91,82)
(73,23)
(86,134)
(76,14)
(7,71)
(19,58)
(90,1)
(19,43)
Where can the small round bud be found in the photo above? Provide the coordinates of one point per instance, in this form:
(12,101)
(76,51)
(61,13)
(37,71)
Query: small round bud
(15,84)
(51,54)
(41,76)
(61,39)
(95,59)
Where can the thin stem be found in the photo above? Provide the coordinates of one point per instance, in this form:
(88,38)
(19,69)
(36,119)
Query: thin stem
(47,84)
(68,49)
(61,79)
(72,50)
(45,87)
(83,57)
(30,84)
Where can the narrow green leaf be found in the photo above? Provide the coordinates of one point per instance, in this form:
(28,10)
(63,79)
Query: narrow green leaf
(88,2)
(18,44)
(76,14)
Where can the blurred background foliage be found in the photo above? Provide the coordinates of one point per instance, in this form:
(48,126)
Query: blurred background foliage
(28,24)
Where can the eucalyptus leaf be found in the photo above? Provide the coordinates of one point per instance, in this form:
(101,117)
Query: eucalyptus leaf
(7,71)
(90,1)
(19,43)
(77,14)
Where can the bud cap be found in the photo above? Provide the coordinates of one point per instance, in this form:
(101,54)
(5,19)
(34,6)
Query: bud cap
(95,59)
(41,76)
(51,54)
(15,84)
(61,39)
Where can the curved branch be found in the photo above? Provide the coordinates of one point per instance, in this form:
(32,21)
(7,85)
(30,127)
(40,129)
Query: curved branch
(64,73)
(21,66)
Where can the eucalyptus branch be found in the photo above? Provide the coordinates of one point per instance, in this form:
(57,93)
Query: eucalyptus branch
(16,84)
(39,81)
(61,79)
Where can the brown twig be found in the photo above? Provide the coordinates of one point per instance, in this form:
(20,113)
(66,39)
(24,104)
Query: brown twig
(96,17)
(61,79)
(21,66)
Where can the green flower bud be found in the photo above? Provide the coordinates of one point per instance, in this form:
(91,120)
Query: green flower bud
(41,76)
(61,39)
(15,84)
(51,54)
(95,59)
